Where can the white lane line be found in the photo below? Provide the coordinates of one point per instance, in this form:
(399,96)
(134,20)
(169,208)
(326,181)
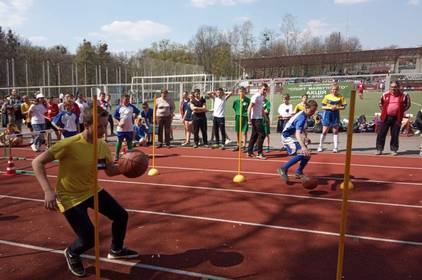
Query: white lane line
(125,263)
(252,192)
(201,218)
(275,174)
(282,161)
(312,162)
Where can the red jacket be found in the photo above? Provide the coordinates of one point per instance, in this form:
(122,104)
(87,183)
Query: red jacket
(52,110)
(404,105)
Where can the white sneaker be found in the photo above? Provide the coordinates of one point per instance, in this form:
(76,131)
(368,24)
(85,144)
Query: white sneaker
(417,132)
(228,141)
(34,148)
(320,149)
(335,150)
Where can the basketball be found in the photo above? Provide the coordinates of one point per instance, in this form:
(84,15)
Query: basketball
(309,183)
(133,163)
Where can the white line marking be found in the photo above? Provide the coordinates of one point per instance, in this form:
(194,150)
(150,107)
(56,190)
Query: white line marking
(251,192)
(126,263)
(320,232)
(413,102)
(274,174)
(282,161)
(311,162)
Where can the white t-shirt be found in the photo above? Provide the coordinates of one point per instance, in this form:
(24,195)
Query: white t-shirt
(37,112)
(125,114)
(258,103)
(285,111)
(219,105)
(82,106)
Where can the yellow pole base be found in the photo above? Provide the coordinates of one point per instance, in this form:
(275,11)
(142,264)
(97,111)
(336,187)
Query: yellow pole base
(153,172)
(239,178)
(350,186)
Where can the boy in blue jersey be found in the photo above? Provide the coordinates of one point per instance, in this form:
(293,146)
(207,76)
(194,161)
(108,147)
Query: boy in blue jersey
(125,113)
(293,139)
(332,104)
(66,121)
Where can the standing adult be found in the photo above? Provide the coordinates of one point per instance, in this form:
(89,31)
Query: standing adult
(219,121)
(332,104)
(199,118)
(125,114)
(186,116)
(393,104)
(82,104)
(52,112)
(164,111)
(245,126)
(103,103)
(12,108)
(37,112)
(255,115)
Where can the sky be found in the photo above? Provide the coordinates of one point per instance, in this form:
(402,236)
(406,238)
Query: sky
(128,25)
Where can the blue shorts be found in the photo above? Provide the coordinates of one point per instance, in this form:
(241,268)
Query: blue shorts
(128,135)
(67,134)
(291,145)
(331,118)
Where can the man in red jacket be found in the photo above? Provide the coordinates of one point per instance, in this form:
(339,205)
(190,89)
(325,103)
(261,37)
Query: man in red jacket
(52,111)
(393,104)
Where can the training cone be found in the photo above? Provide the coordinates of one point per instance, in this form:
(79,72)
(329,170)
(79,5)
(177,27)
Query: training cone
(10,169)
(239,178)
(153,172)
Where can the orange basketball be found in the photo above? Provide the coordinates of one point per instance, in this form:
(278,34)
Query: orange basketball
(309,183)
(133,163)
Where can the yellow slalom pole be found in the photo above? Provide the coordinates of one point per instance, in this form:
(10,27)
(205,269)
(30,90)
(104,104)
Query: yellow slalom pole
(153,171)
(239,178)
(346,186)
(94,188)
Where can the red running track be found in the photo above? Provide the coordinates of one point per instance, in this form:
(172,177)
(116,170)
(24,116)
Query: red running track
(262,229)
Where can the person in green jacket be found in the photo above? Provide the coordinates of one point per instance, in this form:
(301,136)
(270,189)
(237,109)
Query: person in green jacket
(245,126)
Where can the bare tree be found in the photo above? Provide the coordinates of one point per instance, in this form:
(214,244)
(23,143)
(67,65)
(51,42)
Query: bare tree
(290,33)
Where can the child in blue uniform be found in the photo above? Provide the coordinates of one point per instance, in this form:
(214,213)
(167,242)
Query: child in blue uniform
(293,139)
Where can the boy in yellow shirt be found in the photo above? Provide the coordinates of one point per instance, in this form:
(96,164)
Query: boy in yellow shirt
(73,195)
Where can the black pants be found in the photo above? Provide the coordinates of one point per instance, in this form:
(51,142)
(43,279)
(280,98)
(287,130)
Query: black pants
(81,224)
(258,136)
(200,124)
(110,121)
(164,124)
(219,124)
(392,124)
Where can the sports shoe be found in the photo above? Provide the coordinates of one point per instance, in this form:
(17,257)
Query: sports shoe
(206,146)
(261,156)
(185,144)
(420,153)
(378,152)
(283,174)
(300,176)
(335,150)
(125,253)
(320,149)
(195,146)
(394,153)
(228,141)
(235,149)
(251,154)
(34,147)
(222,147)
(74,263)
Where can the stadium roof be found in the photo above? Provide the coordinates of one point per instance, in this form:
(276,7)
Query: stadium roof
(383,55)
